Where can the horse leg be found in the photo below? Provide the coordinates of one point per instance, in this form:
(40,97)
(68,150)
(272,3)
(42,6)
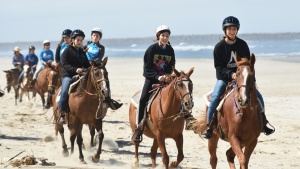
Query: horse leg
(180,156)
(92,133)
(236,147)
(16,95)
(60,129)
(153,152)
(98,127)
(230,158)
(21,95)
(43,99)
(72,138)
(248,151)
(78,130)
(162,146)
(212,148)
(136,156)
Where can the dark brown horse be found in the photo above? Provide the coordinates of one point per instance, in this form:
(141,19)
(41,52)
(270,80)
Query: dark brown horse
(167,115)
(87,106)
(26,81)
(239,120)
(48,81)
(12,76)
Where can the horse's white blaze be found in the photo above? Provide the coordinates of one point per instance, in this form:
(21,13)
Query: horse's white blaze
(245,74)
(104,82)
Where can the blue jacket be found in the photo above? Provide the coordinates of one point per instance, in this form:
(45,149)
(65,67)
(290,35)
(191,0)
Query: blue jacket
(18,59)
(46,55)
(95,51)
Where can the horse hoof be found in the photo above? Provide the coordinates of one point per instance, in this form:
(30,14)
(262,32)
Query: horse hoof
(95,160)
(65,153)
(82,161)
(173,164)
(135,164)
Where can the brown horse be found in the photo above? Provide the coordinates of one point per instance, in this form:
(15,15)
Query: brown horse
(12,76)
(167,115)
(25,84)
(239,120)
(47,81)
(87,106)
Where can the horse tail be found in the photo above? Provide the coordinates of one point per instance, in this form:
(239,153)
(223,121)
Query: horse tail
(199,125)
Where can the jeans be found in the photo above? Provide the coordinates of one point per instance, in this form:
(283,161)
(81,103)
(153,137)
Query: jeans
(21,77)
(218,91)
(64,96)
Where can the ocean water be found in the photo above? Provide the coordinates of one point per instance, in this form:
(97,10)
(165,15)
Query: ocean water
(263,45)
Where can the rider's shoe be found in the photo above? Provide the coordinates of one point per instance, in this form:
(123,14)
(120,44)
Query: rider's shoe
(208,133)
(61,119)
(268,131)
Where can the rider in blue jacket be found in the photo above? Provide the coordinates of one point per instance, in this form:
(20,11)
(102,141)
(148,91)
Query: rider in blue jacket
(94,50)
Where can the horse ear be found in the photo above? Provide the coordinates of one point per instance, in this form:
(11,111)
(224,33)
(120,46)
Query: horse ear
(175,71)
(191,71)
(49,64)
(252,59)
(103,63)
(92,62)
(237,57)
(6,71)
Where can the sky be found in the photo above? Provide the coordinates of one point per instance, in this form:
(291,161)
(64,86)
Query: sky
(37,20)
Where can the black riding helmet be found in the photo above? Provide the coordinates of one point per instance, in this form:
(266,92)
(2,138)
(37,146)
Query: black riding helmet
(76,33)
(66,33)
(230,21)
(31,47)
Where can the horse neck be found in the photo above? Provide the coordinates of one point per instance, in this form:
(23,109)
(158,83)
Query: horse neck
(170,99)
(88,84)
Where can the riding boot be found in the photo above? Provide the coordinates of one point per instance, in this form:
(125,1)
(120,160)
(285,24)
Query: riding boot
(114,105)
(138,132)
(61,119)
(209,128)
(190,119)
(267,131)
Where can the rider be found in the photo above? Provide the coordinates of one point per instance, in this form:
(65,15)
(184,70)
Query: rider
(18,58)
(159,59)
(73,62)
(32,59)
(45,55)
(225,65)
(94,50)
(63,44)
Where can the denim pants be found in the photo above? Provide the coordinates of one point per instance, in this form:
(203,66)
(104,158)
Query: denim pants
(218,91)
(21,77)
(64,96)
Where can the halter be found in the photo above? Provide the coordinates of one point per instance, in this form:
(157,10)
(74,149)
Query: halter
(182,112)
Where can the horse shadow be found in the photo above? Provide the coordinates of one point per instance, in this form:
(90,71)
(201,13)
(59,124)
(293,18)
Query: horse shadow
(19,138)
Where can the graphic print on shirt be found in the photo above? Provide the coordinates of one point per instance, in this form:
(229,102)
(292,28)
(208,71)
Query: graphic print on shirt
(161,62)
(232,61)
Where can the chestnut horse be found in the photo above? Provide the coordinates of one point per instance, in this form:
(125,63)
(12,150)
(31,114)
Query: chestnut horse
(87,106)
(167,115)
(239,120)
(47,81)
(25,83)
(12,76)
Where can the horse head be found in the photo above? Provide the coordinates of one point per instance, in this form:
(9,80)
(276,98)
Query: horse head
(9,79)
(99,77)
(245,78)
(28,74)
(52,77)
(184,86)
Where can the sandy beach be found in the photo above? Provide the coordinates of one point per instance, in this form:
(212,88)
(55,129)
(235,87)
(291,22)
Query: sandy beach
(28,129)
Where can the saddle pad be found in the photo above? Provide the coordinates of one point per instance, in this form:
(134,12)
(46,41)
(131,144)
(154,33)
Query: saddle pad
(207,98)
(135,99)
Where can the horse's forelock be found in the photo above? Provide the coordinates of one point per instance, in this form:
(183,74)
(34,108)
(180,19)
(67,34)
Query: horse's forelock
(243,62)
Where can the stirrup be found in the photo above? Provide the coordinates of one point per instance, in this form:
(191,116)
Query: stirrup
(137,136)
(48,105)
(208,133)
